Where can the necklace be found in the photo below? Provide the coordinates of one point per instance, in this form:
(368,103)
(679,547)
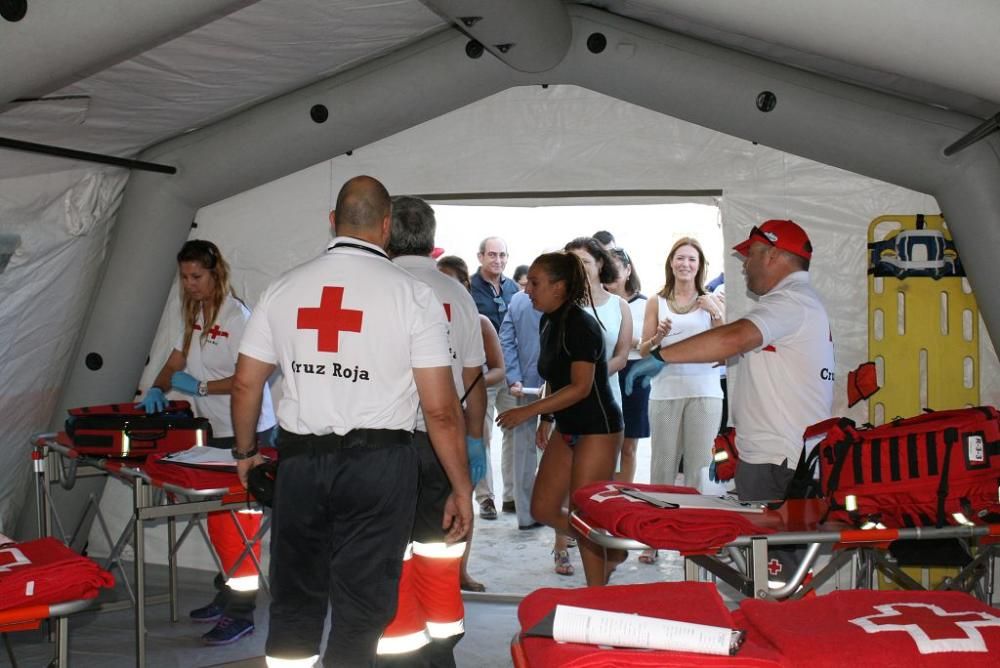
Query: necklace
(681,310)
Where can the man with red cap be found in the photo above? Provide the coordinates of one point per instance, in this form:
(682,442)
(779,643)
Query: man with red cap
(780,354)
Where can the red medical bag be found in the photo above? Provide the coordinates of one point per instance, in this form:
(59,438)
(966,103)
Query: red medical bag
(934,469)
(121,430)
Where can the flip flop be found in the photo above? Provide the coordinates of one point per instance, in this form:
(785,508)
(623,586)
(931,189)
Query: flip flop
(649,556)
(563,565)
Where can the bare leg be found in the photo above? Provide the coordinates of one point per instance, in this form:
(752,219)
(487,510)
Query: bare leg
(627,472)
(466,581)
(594,457)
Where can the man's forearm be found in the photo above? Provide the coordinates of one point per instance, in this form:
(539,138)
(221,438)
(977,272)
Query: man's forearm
(714,345)
(447,437)
(245,409)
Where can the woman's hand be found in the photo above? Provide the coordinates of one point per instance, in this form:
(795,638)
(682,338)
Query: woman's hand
(711,305)
(515,416)
(543,433)
(662,329)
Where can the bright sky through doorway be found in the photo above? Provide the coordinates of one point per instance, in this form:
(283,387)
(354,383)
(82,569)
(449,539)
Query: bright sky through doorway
(645,231)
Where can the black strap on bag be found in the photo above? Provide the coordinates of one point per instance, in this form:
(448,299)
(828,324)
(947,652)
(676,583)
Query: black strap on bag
(950,439)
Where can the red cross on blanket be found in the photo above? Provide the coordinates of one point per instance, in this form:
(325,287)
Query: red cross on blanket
(878,628)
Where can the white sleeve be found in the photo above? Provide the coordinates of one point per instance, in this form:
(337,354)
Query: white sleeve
(473,352)
(257,341)
(429,330)
(776,316)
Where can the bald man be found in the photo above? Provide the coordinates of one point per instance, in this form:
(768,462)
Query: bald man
(361,346)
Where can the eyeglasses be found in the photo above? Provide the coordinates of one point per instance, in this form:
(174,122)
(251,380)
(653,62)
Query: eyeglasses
(501,304)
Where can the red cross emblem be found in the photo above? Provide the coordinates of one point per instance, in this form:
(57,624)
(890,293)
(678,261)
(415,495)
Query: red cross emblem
(216,332)
(932,628)
(773,566)
(330,319)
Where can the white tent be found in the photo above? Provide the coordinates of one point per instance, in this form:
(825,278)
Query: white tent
(831,115)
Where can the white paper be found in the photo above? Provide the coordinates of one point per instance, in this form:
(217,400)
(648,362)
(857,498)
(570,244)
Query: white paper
(617,629)
(531,391)
(203,456)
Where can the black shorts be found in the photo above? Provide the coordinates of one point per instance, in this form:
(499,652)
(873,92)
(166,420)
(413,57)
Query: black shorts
(432,494)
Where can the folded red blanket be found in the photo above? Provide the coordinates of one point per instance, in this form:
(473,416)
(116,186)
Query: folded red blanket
(44,571)
(888,629)
(193,477)
(693,602)
(686,530)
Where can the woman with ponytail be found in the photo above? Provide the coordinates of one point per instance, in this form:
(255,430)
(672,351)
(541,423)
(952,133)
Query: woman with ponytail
(201,365)
(581,425)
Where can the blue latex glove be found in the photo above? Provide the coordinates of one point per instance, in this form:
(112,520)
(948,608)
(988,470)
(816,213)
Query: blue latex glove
(184,382)
(154,401)
(642,372)
(477,458)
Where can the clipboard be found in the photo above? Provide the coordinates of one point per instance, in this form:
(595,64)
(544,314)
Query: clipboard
(675,501)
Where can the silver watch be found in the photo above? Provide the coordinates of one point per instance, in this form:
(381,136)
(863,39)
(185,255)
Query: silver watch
(202,388)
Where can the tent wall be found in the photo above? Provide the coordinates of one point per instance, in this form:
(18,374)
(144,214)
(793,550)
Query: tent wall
(64,222)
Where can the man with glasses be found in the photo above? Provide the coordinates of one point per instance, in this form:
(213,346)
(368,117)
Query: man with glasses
(492,292)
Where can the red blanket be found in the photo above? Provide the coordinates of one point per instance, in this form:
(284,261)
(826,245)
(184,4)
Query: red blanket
(694,602)
(195,477)
(44,571)
(687,531)
(901,629)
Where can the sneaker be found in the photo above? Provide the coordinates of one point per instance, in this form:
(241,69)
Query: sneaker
(487,510)
(508,507)
(227,631)
(206,613)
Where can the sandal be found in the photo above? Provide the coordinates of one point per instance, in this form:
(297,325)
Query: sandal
(472,585)
(563,566)
(649,556)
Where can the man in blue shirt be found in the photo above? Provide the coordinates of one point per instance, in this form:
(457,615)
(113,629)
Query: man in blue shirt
(520,341)
(492,292)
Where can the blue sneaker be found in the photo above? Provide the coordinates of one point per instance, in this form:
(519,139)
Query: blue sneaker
(206,613)
(228,630)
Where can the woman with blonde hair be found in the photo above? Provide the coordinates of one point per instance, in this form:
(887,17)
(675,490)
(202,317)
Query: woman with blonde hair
(201,365)
(685,400)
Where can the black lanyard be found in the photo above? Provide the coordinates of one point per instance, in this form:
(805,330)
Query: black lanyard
(348,244)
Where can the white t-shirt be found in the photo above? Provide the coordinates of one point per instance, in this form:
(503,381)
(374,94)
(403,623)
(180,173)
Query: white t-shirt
(785,385)
(465,336)
(347,329)
(609,314)
(684,381)
(215,359)
(637,306)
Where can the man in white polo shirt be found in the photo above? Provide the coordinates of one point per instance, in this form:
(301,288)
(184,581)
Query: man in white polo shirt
(782,381)
(429,619)
(360,344)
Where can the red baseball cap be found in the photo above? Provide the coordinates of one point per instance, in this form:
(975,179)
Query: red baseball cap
(783,234)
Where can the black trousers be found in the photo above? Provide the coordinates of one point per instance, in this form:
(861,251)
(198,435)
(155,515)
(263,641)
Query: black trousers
(343,511)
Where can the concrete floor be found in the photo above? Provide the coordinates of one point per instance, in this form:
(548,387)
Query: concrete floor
(510,562)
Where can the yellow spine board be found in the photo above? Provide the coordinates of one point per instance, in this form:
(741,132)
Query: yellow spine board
(920,322)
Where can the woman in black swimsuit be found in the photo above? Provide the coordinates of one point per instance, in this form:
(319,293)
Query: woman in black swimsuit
(584,445)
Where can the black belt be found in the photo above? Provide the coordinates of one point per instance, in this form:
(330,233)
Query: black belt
(291,444)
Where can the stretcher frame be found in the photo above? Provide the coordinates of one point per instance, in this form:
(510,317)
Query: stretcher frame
(30,617)
(146,506)
(864,549)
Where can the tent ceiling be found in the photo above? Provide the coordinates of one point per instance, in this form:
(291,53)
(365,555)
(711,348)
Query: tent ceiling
(232,61)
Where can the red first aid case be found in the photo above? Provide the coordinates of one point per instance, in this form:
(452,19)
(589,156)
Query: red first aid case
(122,430)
